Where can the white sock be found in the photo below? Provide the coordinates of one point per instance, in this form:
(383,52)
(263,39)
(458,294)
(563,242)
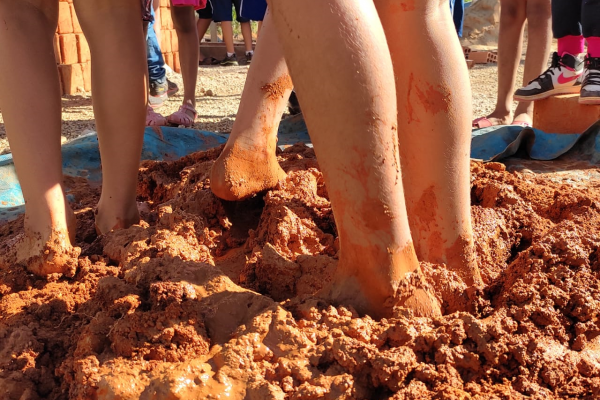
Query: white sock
(251,53)
(230,54)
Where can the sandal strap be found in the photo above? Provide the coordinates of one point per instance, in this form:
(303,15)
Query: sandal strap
(188,107)
(181,117)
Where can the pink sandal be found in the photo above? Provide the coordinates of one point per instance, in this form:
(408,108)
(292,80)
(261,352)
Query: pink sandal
(181,116)
(154,119)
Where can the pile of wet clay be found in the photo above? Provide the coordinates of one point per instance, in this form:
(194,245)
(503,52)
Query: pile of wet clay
(213,300)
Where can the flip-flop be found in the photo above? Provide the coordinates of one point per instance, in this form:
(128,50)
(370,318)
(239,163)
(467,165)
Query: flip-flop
(483,122)
(522,124)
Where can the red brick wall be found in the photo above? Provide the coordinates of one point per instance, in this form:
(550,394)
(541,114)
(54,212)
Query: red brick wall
(73,53)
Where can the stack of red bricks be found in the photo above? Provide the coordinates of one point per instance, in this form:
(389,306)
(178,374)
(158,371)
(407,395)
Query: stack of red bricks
(169,45)
(73,53)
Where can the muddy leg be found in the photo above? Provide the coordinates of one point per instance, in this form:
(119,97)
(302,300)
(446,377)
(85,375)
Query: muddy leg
(349,103)
(114,31)
(434,126)
(30,89)
(248,164)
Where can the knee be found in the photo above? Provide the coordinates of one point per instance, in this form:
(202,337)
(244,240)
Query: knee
(512,12)
(539,14)
(183,21)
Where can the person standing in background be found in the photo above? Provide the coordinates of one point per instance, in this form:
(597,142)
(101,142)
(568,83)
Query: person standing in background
(513,14)
(457,9)
(222,12)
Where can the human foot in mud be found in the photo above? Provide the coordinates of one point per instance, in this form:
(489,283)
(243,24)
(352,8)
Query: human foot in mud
(371,291)
(46,248)
(116,215)
(245,169)
(248,164)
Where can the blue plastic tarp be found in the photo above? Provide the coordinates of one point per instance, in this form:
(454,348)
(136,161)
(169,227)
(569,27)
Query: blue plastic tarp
(81,157)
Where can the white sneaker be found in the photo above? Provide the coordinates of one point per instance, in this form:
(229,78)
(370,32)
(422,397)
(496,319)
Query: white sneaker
(561,78)
(590,88)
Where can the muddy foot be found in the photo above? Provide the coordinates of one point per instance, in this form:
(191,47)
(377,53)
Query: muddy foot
(105,224)
(45,253)
(379,301)
(53,256)
(240,173)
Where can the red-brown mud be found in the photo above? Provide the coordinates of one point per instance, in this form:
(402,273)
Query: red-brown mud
(208,299)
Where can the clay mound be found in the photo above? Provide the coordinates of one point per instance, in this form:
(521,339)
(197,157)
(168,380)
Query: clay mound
(209,299)
(481,25)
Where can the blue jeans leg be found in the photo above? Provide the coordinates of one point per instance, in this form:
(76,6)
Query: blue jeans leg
(156,62)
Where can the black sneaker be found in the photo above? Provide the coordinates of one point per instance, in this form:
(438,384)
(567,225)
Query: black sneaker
(249,58)
(230,60)
(172,88)
(158,94)
(560,78)
(590,88)
(294,104)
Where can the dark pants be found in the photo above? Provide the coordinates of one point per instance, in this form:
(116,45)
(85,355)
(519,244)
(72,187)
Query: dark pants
(576,18)
(156,62)
(457,9)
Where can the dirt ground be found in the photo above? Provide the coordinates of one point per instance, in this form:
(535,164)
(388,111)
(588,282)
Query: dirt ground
(213,300)
(217,112)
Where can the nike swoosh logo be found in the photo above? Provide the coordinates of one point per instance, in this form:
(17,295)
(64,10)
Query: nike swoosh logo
(562,79)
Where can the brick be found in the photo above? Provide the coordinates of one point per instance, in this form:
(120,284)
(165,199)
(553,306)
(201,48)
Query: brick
(83,49)
(466,51)
(65,22)
(87,76)
(56,44)
(169,60)
(177,64)
(68,48)
(483,57)
(75,20)
(564,114)
(470,64)
(165,3)
(165,19)
(72,78)
(174,41)
(165,42)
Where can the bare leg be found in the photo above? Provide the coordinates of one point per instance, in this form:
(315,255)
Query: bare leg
(227,29)
(29,88)
(510,44)
(353,127)
(114,31)
(434,112)
(185,25)
(247,35)
(259,30)
(539,28)
(202,26)
(248,164)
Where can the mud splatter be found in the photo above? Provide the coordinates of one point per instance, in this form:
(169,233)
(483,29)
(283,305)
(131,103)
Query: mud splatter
(403,6)
(409,107)
(277,89)
(433,100)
